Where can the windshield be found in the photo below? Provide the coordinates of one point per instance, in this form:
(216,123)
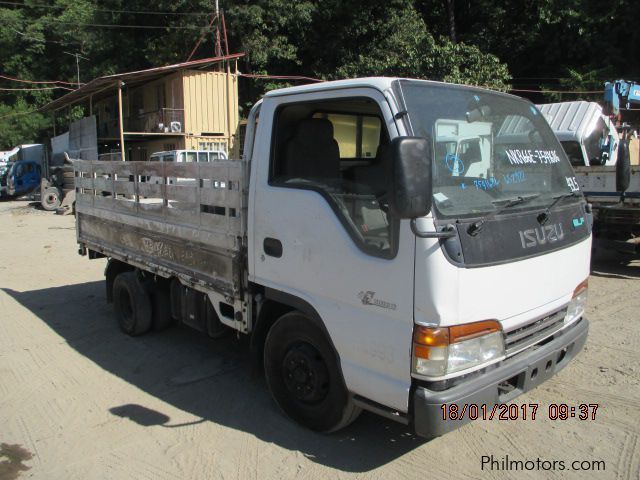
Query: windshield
(488,149)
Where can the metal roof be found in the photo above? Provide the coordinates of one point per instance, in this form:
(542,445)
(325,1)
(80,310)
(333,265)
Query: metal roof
(571,120)
(107,82)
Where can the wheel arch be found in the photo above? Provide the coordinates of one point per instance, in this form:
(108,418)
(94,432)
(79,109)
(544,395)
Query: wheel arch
(275,304)
(113,268)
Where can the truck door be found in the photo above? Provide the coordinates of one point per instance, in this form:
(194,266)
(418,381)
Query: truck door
(323,232)
(31,176)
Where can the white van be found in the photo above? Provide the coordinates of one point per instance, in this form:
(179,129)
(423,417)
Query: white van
(189,156)
(184,156)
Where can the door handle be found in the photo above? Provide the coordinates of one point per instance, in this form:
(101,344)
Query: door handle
(272,247)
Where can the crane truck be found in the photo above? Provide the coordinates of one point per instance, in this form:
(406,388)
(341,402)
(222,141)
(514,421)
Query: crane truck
(601,157)
(620,92)
(386,244)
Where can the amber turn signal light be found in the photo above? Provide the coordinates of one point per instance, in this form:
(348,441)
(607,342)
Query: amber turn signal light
(424,338)
(581,287)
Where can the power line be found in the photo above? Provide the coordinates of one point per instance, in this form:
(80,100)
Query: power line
(17,114)
(280,77)
(33,89)
(141,12)
(577,92)
(106,25)
(43,41)
(6,77)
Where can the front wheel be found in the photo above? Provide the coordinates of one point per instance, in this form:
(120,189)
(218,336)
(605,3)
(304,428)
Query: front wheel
(304,376)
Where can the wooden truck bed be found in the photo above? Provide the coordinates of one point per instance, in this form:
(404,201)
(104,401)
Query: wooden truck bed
(190,224)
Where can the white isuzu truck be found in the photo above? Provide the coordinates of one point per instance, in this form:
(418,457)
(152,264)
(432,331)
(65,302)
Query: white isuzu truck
(387,244)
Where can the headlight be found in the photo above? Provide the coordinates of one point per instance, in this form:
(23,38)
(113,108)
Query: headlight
(578,302)
(438,352)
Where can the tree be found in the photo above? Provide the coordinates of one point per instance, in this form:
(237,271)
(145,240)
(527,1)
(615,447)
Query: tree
(334,39)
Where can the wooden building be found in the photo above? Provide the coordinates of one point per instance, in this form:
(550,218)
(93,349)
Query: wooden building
(191,105)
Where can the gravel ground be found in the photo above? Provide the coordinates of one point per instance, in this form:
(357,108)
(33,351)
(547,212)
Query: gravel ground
(78,399)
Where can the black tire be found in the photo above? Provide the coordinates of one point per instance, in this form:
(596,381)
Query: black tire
(161,307)
(50,199)
(68,174)
(132,304)
(304,376)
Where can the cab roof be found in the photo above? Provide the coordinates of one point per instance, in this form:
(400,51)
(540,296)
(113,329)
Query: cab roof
(379,83)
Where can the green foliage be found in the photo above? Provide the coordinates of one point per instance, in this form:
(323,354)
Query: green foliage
(553,44)
(20,124)
(589,83)
(333,39)
(549,44)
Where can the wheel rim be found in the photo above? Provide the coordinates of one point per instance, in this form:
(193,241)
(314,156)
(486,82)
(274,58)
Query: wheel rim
(305,373)
(51,199)
(126,309)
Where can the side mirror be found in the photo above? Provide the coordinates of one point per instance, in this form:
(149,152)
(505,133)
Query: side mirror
(623,167)
(411,159)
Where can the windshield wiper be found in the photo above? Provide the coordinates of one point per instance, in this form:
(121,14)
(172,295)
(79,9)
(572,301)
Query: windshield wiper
(476,227)
(544,216)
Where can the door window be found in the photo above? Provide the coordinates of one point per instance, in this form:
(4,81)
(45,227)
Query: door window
(574,152)
(341,156)
(358,136)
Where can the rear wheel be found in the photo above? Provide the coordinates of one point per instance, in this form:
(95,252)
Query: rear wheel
(132,304)
(304,376)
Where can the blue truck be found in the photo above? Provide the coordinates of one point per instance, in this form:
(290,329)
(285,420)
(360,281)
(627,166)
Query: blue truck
(21,171)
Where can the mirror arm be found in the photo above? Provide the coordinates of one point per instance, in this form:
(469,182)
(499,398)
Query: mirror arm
(448,233)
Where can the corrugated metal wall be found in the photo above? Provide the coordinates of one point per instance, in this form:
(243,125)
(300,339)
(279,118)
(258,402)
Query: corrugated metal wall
(210,104)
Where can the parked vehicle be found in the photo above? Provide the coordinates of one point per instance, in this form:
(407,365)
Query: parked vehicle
(620,92)
(385,243)
(593,145)
(188,156)
(22,170)
(587,136)
(20,178)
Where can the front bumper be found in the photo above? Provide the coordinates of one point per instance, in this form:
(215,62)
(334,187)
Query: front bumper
(523,372)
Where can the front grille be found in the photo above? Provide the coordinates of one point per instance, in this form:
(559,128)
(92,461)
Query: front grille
(523,337)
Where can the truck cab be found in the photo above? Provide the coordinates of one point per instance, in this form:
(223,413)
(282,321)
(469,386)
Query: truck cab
(19,178)
(506,216)
(588,137)
(22,170)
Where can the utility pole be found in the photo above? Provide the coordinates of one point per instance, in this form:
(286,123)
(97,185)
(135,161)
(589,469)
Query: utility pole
(78,57)
(218,52)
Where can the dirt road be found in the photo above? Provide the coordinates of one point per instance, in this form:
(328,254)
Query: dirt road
(79,399)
